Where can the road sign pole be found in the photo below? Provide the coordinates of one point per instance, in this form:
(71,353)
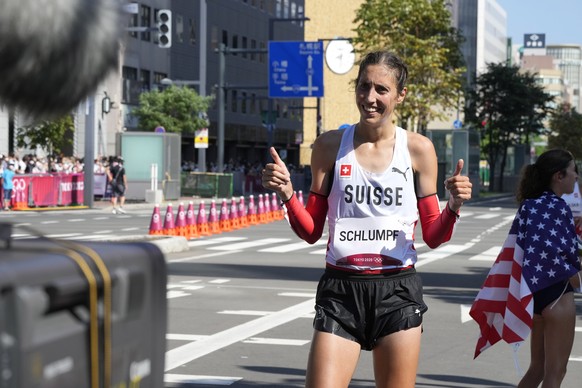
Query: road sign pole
(221,86)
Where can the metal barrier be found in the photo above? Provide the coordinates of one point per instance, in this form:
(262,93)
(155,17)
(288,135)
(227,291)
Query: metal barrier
(209,185)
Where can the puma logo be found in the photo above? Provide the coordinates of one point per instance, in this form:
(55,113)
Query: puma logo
(394,169)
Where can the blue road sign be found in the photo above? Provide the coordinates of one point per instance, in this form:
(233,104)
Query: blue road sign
(457,124)
(295,69)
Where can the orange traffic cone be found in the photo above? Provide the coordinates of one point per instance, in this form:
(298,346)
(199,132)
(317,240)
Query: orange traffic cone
(234,217)
(252,212)
(278,212)
(268,210)
(261,210)
(203,227)
(181,226)
(242,213)
(169,227)
(214,225)
(191,221)
(225,225)
(300,198)
(156,222)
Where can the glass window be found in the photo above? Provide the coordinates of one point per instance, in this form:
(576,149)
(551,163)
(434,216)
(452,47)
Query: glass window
(179,28)
(146,21)
(243,102)
(133,22)
(144,78)
(233,101)
(253,47)
(214,37)
(234,42)
(192,32)
(225,37)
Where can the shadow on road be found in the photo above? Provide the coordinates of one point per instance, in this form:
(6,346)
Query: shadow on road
(450,381)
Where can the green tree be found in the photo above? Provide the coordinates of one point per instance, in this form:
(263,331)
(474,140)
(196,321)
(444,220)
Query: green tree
(566,126)
(177,109)
(508,107)
(420,32)
(53,136)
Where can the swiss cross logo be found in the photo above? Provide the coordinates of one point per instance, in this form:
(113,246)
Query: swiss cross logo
(346,171)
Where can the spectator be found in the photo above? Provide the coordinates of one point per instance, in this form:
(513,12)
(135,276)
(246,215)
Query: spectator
(7,184)
(118,182)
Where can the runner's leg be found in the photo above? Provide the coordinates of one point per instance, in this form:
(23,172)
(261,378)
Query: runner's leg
(332,361)
(396,359)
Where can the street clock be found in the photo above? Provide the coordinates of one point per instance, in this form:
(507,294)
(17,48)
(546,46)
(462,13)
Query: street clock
(340,56)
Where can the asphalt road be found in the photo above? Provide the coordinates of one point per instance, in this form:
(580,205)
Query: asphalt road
(241,303)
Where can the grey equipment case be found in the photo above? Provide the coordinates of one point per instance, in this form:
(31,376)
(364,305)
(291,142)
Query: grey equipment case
(81,314)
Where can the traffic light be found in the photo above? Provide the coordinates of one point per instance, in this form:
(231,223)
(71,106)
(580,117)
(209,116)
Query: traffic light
(165,28)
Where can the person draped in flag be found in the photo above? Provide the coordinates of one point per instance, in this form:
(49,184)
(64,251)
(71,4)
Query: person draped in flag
(529,289)
(372,181)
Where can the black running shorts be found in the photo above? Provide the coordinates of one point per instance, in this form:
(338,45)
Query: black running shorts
(548,295)
(364,308)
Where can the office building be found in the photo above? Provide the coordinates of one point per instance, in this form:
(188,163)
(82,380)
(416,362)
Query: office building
(568,58)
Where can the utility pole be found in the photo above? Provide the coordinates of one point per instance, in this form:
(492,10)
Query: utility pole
(88,175)
(202,73)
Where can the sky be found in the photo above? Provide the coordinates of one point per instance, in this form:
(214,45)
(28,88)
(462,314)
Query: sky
(560,20)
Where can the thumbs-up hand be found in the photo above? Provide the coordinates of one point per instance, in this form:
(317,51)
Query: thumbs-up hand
(459,187)
(276,177)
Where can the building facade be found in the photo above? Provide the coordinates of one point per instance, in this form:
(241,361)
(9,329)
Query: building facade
(568,58)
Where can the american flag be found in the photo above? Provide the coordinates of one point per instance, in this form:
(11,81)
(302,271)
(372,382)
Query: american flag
(540,250)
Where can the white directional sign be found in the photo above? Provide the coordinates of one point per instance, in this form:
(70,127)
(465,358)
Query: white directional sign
(295,69)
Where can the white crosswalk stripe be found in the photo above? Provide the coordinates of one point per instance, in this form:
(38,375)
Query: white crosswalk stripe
(250,244)
(292,247)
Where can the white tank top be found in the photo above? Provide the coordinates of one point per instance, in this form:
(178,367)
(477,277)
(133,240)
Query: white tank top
(372,216)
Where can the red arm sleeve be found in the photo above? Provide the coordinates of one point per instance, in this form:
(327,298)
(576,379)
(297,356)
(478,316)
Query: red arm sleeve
(437,226)
(307,222)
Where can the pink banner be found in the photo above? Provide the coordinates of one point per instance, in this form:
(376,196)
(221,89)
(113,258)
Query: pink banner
(71,189)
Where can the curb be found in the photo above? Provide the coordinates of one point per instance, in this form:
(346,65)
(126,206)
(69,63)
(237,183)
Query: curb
(166,244)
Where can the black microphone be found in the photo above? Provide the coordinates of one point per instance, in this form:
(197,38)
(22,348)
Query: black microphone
(53,54)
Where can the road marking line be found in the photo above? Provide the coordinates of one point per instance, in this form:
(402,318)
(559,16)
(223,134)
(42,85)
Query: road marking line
(192,288)
(465,309)
(275,341)
(487,216)
(298,294)
(292,247)
(49,222)
(203,256)
(189,352)
(441,253)
(488,255)
(249,244)
(185,337)
(218,240)
(76,220)
(176,294)
(63,235)
(182,380)
(219,281)
(246,312)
